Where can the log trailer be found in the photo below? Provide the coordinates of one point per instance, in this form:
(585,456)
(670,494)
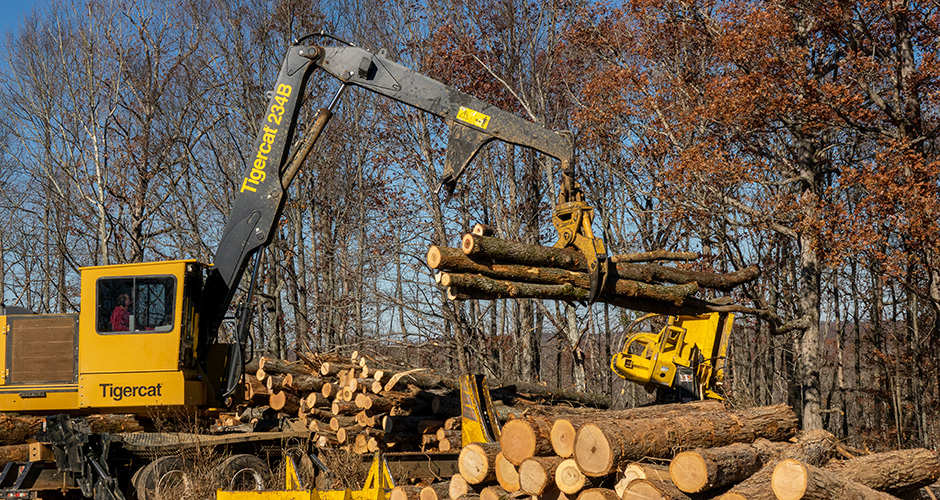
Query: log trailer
(147,338)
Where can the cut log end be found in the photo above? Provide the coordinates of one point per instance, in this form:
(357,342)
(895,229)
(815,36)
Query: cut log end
(599,494)
(517,441)
(475,463)
(789,480)
(689,472)
(562,436)
(434,257)
(592,451)
(568,477)
(506,474)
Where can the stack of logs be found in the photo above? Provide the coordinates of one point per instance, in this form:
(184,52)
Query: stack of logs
(486,267)
(349,404)
(754,453)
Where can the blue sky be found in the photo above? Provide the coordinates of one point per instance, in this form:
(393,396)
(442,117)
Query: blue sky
(12,13)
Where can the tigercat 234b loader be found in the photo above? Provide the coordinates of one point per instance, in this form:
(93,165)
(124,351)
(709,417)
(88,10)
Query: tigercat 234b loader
(147,338)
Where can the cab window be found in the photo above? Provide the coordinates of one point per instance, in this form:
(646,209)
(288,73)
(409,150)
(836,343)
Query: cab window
(136,304)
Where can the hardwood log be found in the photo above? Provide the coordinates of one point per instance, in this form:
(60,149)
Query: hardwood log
(300,383)
(477,462)
(812,447)
(459,487)
(281,367)
(653,489)
(891,471)
(653,273)
(256,392)
(483,230)
(459,267)
(338,421)
(565,428)
(113,424)
(637,470)
(274,382)
(328,368)
(522,253)
(598,494)
(653,255)
(537,474)
(14,453)
(495,492)
(329,390)
(570,480)
(795,480)
(16,429)
(506,473)
(522,438)
(435,491)
(600,448)
(405,492)
(700,470)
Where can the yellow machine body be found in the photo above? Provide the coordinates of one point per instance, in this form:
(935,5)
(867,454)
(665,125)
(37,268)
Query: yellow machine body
(377,486)
(688,353)
(68,363)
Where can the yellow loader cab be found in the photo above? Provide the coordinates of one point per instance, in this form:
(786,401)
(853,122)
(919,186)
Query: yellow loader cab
(132,348)
(686,357)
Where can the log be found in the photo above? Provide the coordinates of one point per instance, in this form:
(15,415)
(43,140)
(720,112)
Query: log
(537,474)
(281,367)
(570,480)
(329,390)
(700,470)
(598,494)
(653,256)
(435,491)
(477,462)
(274,383)
(16,429)
(300,383)
(495,492)
(565,428)
(506,473)
(637,470)
(522,438)
(461,269)
(653,273)
(812,447)
(405,492)
(795,480)
(339,421)
(483,230)
(285,402)
(490,288)
(113,424)
(653,489)
(14,453)
(329,368)
(602,447)
(892,471)
(256,393)
(459,487)
(522,253)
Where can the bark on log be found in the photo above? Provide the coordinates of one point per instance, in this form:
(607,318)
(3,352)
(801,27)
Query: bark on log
(653,489)
(495,492)
(653,273)
(506,473)
(14,453)
(565,428)
(255,391)
(281,367)
(653,256)
(537,474)
(113,424)
(600,448)
(812,447)
(16,429)
(329,368)
(522,438)
(706,469)
(483,230)
(302,383)
(598,494)
(795,480)
(891,471)
(477,462)
(522,253)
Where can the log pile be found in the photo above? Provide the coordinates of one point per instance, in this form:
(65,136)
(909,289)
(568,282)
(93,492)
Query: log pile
(704,450)
(486,267)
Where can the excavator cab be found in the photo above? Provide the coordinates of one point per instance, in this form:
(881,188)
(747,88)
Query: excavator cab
(684,359)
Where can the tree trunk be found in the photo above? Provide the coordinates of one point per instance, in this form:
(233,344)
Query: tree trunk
(603,447)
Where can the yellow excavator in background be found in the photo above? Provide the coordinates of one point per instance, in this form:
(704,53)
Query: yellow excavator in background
(684,360)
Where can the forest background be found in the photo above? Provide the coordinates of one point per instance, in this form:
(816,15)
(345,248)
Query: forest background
(798,136)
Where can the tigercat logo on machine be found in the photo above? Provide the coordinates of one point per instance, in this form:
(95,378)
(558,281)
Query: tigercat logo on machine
(270,127)
(119,392)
